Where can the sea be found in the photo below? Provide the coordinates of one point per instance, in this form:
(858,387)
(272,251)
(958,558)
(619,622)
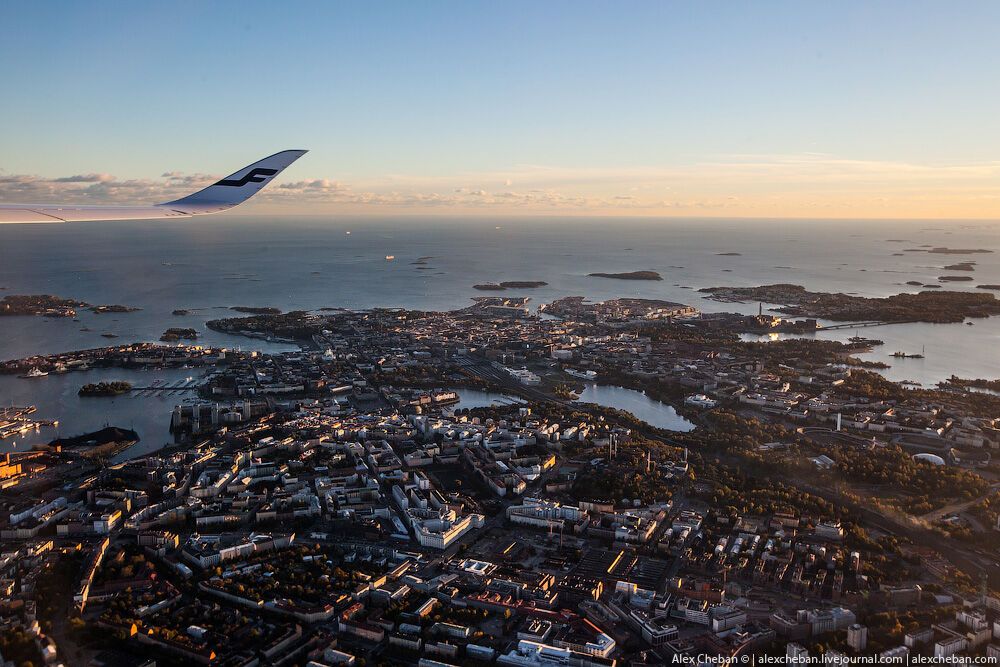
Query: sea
(209,265)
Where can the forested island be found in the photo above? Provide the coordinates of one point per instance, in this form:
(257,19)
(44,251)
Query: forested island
(629,275)
(941,307)
(113,388)
(176,333)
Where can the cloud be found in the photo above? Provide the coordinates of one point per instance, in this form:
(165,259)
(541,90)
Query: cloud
(85,178)
(776,185)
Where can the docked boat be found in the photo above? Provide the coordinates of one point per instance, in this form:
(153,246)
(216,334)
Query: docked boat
(35,373)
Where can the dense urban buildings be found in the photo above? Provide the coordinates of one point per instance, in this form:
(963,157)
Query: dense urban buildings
(341,505)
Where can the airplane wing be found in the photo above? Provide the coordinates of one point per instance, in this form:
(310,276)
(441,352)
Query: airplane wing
(223,195)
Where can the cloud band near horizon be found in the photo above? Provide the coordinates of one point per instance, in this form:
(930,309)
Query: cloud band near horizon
(771,186)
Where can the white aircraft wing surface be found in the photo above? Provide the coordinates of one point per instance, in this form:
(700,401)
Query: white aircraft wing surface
(220,196)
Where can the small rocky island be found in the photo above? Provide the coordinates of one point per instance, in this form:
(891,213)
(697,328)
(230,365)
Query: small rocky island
(176,333)
(181,311)
(951,251)
(115,308)
(510,284)
(629,275)
(254,310)
(954,279)
(113,388)
(941,307)
(961,266)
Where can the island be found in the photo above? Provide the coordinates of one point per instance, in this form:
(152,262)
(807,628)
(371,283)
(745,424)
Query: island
(181,311)
(954,279)
(940,307)
(115,308)
(510,284)
(176,333)
(254,310)
(992,287)
(961,266)
(958,251)
(48,305)
(915,283)
(113,388)
(728,254)
(39,304)
(629,275)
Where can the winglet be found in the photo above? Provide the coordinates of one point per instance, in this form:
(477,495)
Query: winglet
(236,188)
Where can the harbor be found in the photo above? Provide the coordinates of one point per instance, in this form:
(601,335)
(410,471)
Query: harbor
(17,420)
(161,387)
(145,409)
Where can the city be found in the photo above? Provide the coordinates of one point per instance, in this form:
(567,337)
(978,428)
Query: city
(338,505)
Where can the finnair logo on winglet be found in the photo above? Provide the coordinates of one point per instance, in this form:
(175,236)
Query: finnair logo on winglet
(257,175)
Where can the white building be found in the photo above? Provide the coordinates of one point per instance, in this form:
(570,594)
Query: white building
(857,637)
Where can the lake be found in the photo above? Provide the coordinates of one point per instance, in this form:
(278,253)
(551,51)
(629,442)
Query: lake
(653,412)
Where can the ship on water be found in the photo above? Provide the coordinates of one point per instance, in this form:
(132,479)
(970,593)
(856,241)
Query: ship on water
(35,373)
(904,355)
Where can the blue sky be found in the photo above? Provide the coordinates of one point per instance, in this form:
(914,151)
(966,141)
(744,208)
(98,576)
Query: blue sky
(736,108)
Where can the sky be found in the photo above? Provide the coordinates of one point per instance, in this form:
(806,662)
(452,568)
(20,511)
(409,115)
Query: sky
(726,109)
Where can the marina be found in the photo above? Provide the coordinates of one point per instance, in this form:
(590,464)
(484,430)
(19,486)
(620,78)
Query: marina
(15,421)
(162,387)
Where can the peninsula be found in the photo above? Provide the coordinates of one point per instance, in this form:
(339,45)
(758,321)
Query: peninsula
(923,306)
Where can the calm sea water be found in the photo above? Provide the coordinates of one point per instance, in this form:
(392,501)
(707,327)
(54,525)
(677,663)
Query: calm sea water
(304,263)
